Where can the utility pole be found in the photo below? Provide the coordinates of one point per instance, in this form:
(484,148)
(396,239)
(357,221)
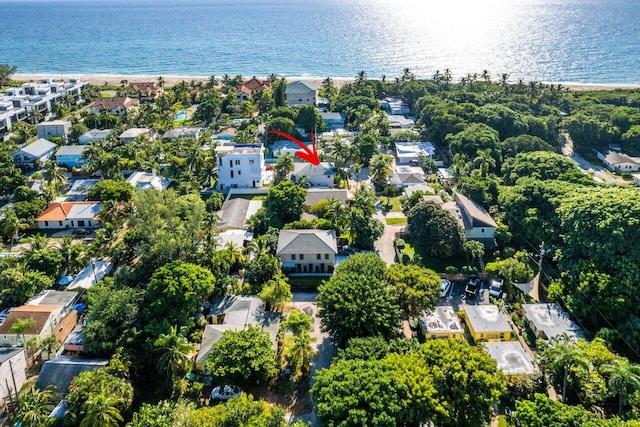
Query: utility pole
(541,256)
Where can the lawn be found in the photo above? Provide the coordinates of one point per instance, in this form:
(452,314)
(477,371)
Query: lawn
(248,196)
(396,221)
(391,204)
(305,283)
(437,264)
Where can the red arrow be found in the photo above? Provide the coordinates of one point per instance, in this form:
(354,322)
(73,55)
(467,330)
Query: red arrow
(308,154)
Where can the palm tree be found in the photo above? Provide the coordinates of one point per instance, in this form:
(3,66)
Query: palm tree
(175,354)
(485,161)
(283,166)
(101,411)
(161,82)
(54,174)
(624,379)
(20,326)
(474,250)
(35,406)
(447,77)
(564,354)
(486,76)
(301,352)
(361,76)
(380,170)
(258,247)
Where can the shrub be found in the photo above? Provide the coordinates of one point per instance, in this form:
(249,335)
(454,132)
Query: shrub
(400,243)
(451,270)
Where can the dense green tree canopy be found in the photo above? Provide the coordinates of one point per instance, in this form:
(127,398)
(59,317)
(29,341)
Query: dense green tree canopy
(476,137)
(416,288)
(243,357)
(109,189)
(357,305)
(113,312)
(284,203)
(542,165)
(435,229)
(359,393)
(366,263)
(174,292)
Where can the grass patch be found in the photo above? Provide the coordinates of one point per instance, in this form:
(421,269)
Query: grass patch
(305,283)
(396,221)
(249,196)
(436,264)
(391,204)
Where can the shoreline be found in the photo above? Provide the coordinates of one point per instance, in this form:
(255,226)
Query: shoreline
(170,80)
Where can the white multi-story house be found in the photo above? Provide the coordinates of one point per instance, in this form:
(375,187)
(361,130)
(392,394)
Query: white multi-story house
(301,93)
(240,166)
(55,128)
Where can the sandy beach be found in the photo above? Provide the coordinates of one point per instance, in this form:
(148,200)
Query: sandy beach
(170,80)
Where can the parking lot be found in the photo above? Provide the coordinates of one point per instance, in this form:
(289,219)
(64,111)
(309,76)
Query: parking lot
(456,297)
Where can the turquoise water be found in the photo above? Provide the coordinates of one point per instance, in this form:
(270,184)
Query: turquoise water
(594,41)
(180,116)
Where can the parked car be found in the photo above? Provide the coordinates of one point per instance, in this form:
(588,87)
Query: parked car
(473,288)
(348,250)
(224,392)
(495,287)
(80,232)
(445,286)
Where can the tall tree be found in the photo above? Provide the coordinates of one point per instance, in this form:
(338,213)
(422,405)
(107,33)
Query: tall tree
(624,379)
(562,355)
(282,168)
(35,406)
(176,353)
(415,288)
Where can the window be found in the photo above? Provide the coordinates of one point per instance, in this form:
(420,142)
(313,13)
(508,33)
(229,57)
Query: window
(220,161)
(230,163)
(239,173)
(293,257)
(301,257)
(482,230)
(318,256)
(251,162)
(60,223)
(326,256)
(231,174)
(46,223)
(237,162)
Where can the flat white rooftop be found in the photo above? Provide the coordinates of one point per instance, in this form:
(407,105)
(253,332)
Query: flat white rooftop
(550,319)
(511,357)
(486,318)
(441,320)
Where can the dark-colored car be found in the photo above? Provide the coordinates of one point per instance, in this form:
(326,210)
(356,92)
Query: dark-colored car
(473,288)
(80,232)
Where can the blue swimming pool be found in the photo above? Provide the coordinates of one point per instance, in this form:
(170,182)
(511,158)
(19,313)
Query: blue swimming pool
(180,116)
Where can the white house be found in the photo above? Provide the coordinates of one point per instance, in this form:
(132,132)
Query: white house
(474,219)
(94,135)
(240,166)
(34,154)
(144,180)
(55,128)
(301,93)
(131,134)
(320,175)
(80,189)
(61,215)
(619,162)
(51,313)
(412,153)
(13,367)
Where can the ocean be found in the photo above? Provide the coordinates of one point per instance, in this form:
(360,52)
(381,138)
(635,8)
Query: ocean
(582,41)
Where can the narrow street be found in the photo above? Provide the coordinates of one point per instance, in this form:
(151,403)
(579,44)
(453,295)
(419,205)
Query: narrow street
(599,173)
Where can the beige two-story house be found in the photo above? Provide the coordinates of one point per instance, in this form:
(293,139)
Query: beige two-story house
(307,251)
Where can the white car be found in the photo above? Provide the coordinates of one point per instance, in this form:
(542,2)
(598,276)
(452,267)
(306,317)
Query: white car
(495,289)
(224,392)
(445,286)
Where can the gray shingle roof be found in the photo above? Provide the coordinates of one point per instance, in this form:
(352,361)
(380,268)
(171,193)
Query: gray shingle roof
(38,148)
(71,150)
(61,371)
(307,242)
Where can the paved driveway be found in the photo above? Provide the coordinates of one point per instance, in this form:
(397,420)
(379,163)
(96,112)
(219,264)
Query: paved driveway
(384,245)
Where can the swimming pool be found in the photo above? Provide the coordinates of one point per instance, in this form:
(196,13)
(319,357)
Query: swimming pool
(180,116)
